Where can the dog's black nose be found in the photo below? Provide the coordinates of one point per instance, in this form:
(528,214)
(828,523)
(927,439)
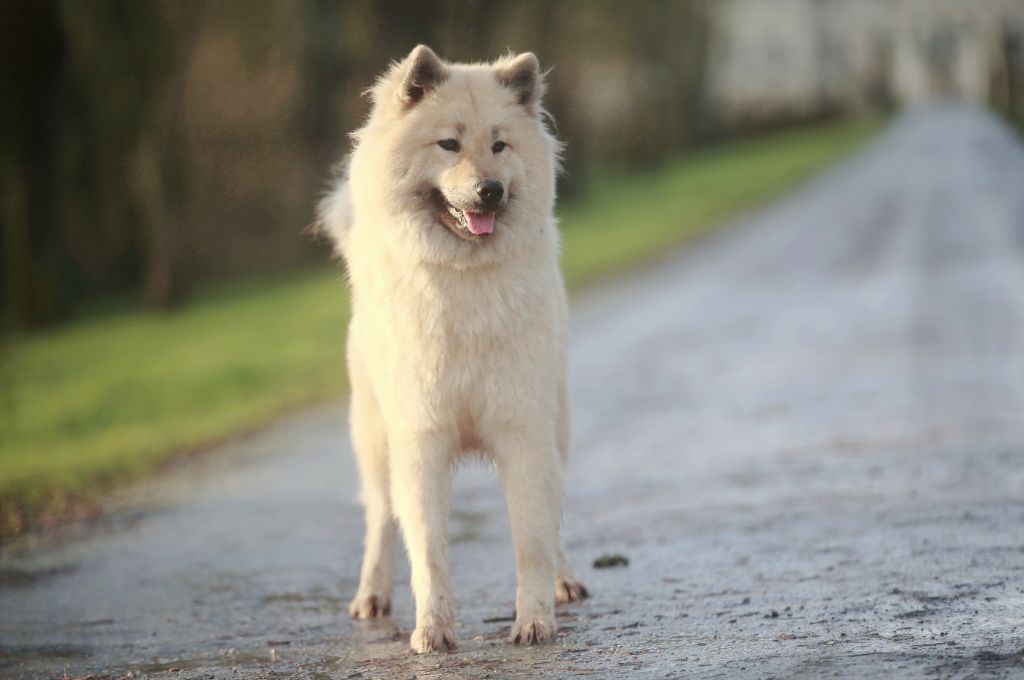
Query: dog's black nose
(490,192)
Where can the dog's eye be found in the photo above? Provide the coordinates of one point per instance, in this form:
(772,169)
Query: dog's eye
(498,147)
(449,144)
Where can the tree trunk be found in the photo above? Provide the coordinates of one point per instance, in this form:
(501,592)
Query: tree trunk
(31,72)
(158,186)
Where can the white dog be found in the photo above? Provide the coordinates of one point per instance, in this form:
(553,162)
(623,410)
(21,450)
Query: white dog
(459,321)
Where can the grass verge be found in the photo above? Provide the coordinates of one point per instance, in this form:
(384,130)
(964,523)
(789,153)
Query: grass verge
(105,400)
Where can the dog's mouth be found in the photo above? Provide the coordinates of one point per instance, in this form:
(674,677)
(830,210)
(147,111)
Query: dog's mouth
(467,224)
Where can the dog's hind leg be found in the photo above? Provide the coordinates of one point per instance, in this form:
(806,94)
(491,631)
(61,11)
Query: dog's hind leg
(567,587)
(369,439)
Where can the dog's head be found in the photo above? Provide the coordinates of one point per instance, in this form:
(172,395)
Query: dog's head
(460,149)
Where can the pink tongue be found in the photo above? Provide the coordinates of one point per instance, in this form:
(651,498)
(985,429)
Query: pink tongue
(479,223)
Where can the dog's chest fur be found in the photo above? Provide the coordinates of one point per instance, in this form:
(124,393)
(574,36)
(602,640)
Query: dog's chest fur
(460,344)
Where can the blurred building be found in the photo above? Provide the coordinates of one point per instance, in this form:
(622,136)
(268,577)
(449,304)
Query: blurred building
(772,59)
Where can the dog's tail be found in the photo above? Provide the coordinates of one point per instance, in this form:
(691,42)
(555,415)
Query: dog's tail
(334,214)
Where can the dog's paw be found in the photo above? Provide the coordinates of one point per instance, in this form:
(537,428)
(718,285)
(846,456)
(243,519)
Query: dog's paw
(426,639)
(369,606)
(533,630)
(568,589)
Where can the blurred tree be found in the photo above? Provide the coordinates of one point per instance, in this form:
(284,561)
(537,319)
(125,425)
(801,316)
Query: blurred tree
(196,134)
(32,75)
(327,65)
(129,128)
(1007,84)
(147,144)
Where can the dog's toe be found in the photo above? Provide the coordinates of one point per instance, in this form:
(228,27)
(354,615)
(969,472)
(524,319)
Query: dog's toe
(533,630)
(568,589)
(426,639)
(369,606)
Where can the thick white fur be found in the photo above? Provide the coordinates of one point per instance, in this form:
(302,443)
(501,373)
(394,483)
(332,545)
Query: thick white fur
(455,346)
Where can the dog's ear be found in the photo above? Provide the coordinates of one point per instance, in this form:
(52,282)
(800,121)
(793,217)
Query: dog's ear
(522,75)
(422,71)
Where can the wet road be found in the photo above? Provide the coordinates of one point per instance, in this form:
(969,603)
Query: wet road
(806,435)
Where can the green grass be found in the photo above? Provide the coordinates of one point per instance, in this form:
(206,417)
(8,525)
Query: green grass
(107,399)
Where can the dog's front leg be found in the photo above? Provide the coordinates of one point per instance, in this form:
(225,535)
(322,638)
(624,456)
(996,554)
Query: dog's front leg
(421,484)
(531,475)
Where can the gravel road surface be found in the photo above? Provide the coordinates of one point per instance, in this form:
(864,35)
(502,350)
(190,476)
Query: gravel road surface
(805,434)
